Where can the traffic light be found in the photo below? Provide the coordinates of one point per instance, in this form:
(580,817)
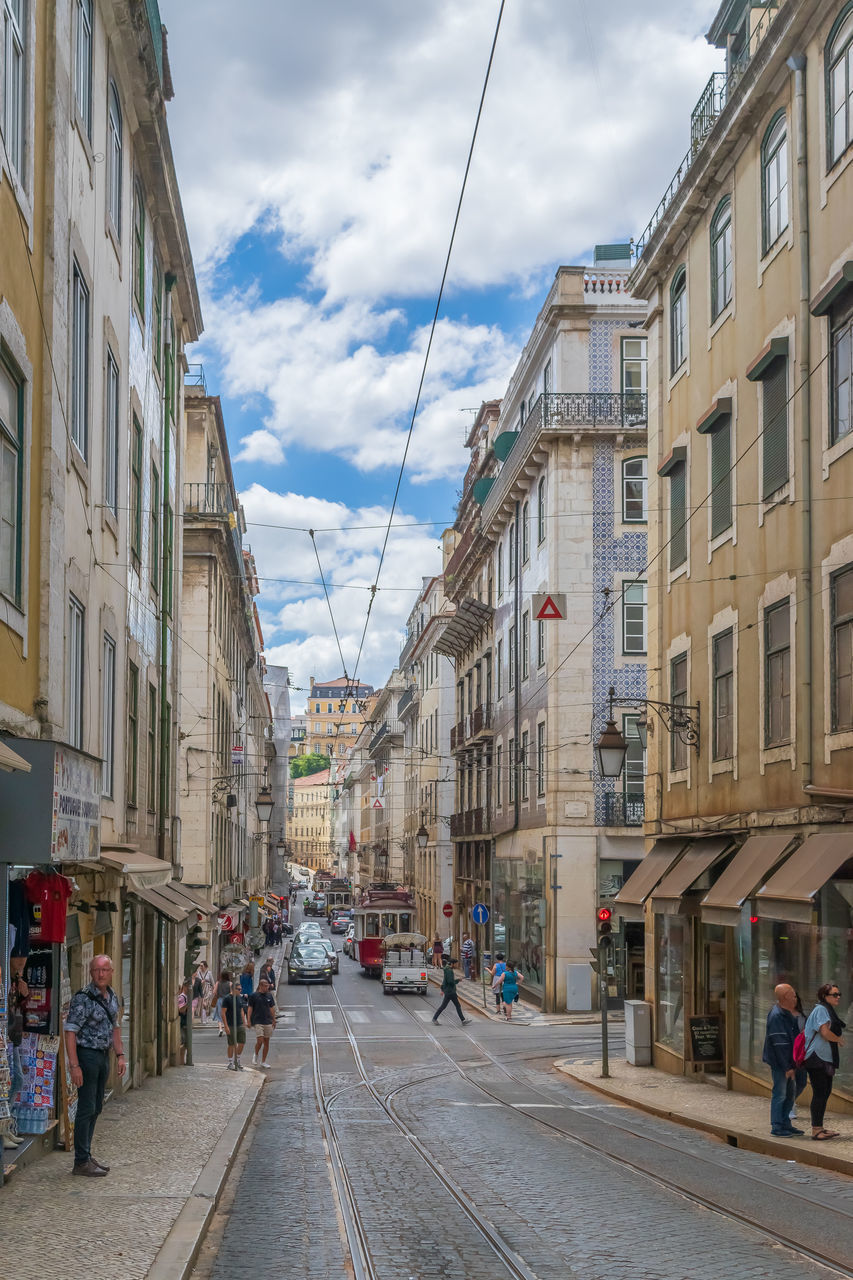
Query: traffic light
(605,927)
(193,945)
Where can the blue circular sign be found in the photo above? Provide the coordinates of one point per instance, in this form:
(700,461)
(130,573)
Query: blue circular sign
(480,913)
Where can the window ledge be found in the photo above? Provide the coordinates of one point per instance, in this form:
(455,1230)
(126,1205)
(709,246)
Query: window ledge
(781,754)
(835,451)
(718,767)
(15,619)
(781,498)
(728,535)
(85,141)
(78,462)
(22,198)
(838,740)
(674,574)
(785,240)
(835,171)
(676,377)
(726,314)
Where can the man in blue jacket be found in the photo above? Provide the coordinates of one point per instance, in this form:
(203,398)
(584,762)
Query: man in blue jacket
(779,1055)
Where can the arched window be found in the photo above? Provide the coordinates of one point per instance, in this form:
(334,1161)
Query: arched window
(839,85)
(774,181)
(678,320)
(114,159)
(721,258)
(635,485)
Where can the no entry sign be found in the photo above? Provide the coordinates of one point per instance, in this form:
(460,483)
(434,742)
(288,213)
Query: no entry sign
(447,909)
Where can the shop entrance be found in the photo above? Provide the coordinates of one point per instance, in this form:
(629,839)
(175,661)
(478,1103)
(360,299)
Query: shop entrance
(709,997)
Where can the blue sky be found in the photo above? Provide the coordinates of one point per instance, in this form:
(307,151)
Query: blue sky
(320,149)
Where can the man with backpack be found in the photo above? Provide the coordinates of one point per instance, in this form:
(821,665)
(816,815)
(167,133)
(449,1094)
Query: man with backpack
(91,1030)
(449,981)
(778,1053)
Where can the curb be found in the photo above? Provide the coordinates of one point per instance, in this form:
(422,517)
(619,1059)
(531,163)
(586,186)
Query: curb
(782,1149)
(178,1252)
(528,1012)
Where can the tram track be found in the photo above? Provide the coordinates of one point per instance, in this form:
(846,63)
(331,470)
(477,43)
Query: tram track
(834,1265)
(365,1265)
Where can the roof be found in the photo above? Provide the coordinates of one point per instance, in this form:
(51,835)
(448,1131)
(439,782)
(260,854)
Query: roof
(312,779)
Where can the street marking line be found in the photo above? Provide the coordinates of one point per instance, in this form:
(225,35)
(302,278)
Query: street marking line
(391,1015)
(540,1106)
(423,1014)
(323,1015)
(475,1104)
(355,1015)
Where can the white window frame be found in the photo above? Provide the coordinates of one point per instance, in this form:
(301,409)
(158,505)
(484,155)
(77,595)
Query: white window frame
(115,157)
(108,715)
(112,401)
(642,462)
(15,84)
(75,678)
(11,486)
(540,511)
(80,347)
(640,590)
(83,47)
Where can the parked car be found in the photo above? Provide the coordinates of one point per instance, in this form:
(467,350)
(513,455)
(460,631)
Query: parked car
(309,962)
(349,942)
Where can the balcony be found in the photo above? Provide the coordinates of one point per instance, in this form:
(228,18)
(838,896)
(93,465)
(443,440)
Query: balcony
(471,727)
(407,701)
(470,822)
(623,810)
(207,500)
(383,735)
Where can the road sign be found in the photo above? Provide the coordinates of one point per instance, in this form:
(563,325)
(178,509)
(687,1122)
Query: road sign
(447,909)
(226,923)
(549,606)
(480,913)
(236,938)
(377,803)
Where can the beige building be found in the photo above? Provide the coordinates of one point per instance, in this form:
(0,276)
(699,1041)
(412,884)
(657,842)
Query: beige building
(747,266)
(334,715)
(310,827)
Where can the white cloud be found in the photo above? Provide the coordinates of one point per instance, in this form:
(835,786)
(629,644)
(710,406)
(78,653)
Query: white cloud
(297,625)
(260,446)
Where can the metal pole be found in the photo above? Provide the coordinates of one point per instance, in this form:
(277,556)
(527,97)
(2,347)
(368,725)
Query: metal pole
(481,938)
(602,991)
(188,1056)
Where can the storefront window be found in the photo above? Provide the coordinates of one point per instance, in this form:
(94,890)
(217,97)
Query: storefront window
(669,1012)
(126,972)
(806,955)
(519,915)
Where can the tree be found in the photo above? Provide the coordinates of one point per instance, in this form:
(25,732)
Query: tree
(304,766)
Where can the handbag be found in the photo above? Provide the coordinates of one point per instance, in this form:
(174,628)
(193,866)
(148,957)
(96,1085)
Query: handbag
(799,1050)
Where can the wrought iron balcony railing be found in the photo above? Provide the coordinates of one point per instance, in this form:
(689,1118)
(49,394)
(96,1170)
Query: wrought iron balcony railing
(207,499)
(588,409)
(624,810)
(471,822)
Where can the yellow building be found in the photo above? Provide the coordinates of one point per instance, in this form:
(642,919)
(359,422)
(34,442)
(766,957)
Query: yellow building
(334,715)
(310,825)
(747,267)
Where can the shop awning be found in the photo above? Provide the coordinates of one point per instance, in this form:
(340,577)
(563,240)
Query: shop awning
(788,894)
(10,760)
(746,872)
(156,899)
(128,860)
(701,854)
(195,897)
(631,897)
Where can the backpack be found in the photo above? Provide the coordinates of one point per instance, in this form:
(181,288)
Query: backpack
(799,1049)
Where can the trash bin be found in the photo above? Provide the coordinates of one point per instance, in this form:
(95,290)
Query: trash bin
(638,1033)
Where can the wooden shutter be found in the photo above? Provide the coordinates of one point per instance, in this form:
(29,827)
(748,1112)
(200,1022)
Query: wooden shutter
(775,470)
(677,516)
(721,477)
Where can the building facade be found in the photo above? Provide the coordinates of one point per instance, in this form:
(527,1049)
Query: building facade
(751,551)
(334,715)
(311,821)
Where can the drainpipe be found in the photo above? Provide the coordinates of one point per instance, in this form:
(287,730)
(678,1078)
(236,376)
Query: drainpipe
(516,661)
(805,714)
(166,578)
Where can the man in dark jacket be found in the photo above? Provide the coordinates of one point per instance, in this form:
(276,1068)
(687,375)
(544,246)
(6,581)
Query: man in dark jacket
(779,1055)
(448,990)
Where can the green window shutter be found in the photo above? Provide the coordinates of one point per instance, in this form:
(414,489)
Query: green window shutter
(677,516)
(775,470)
(721,477)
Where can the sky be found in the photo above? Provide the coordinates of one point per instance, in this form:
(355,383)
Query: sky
(320,150)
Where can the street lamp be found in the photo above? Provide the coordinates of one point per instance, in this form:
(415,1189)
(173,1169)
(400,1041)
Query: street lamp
(422,836)
(264,804)
(678,718)
(611,750)
(280,847)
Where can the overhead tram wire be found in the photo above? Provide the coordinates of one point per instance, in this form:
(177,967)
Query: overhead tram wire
(329,603)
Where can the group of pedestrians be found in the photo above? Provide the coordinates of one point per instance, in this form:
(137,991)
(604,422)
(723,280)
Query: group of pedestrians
(506,979)
(801,1050)
(241,1009)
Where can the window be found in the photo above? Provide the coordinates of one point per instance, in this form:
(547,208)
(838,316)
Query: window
(721,258)
(841,373)
(80,362)
(512,766)
(634,617)
(132,732)
(512,552)
(138,247)
(678,696)
(839,87)
(157,314)
(111,408)
(154,529)
(721,476)
(14,81)
(723,678)
(540,643)
(83,64)
(108,714)
(540,511)
(841,601)
(540,758)
(524,764)
(775,428)
(774,181)
(168,557)
(11,481)
(635,488)
(634,366)
(74,668)
(499,670)
(114,159)
(678,515)
(513,657)
(525,645)
(167,756)
(634,772)
(170,370)
(678,320)
(136,492)
(499,554)
(777,674)
(525,533)
(546,378)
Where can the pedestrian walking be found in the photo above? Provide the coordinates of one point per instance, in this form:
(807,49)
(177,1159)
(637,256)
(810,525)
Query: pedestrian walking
(91,1030)
(495,973)
(234,1018)
(468,952)
(247,979)
(221,990)
(437,951)
(183,1011)
(823,1038)
(448,990)
(262,1020)
(509,982)
(779,1056)
(205,977)
(276,932)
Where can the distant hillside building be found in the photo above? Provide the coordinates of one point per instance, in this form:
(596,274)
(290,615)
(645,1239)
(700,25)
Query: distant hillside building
(334,715)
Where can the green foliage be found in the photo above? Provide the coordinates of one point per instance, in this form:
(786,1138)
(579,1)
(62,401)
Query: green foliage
(304,766)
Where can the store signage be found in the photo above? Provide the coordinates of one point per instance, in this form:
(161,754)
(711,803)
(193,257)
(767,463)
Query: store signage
(706,1038)
(52,813)
(236,939)
(226,923)
(237,755)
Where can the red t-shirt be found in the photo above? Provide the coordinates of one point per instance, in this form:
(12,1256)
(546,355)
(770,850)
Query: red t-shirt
(50,892)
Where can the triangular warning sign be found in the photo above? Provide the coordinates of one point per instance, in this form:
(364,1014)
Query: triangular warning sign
(377,804)
(549,609)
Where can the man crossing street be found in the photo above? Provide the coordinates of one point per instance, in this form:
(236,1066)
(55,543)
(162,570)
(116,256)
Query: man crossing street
(448,989)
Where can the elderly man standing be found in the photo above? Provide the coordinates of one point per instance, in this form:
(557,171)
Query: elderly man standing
(91,1029)
(778,1053)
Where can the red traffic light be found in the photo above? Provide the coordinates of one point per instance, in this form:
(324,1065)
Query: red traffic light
(604,913)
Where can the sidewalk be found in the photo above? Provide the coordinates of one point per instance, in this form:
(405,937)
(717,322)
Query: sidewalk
(739,1119)
(525,1013)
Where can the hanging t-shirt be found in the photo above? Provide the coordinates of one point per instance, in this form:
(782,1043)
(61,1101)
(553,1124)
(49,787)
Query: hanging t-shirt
(50,891)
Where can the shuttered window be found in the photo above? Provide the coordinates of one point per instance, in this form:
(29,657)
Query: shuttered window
(842,649)
(677,515)
(777,674)
(723,656)
(721,477)
(775,428)
(842,374)
(678,697)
